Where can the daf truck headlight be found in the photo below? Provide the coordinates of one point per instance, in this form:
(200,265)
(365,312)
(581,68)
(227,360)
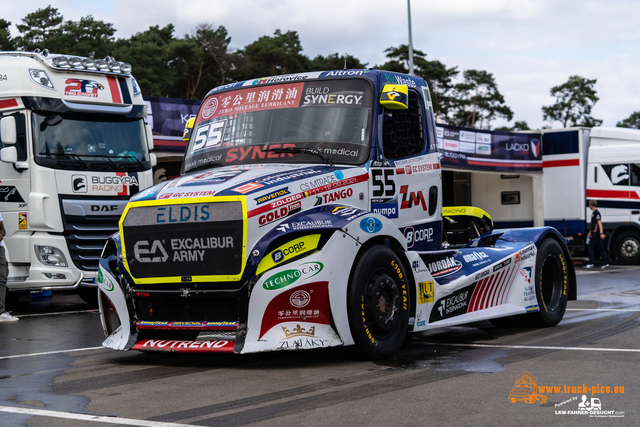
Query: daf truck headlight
(50,255)
(40,77)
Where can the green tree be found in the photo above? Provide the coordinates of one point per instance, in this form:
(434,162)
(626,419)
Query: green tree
(477,100)
(6,43)
(517,126)
(147,54)
(40,29)
(216,48)
(574,101)
(438,76)
(86,37)
(633,121)
(280,54)
(335,61)
(201,61)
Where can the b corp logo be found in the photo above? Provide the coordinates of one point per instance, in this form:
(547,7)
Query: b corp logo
(414,236)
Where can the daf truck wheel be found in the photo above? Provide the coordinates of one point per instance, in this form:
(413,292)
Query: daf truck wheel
(378,303)
(628,248)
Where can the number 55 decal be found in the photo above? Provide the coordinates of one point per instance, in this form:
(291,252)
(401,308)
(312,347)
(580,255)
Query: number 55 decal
(383,183)
(209,135)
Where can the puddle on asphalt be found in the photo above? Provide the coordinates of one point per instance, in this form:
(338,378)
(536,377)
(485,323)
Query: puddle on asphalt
(476,360)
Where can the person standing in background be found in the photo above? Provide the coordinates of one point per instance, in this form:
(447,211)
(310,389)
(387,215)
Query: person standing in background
(595,236)
(4,271)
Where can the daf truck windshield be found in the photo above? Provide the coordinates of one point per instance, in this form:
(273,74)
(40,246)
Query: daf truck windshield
(307,122)
(84,142)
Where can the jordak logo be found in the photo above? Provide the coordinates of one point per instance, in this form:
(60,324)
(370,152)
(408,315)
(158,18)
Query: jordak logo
(412,199)
(444,267)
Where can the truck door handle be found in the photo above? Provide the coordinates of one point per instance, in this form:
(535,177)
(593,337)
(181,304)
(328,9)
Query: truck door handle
(635,212)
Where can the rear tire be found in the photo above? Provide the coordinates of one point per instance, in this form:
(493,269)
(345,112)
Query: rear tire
(628,248)
(378,303)
(552,283)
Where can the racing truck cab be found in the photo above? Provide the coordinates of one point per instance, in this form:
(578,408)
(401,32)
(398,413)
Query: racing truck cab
(309,214)
(74,149)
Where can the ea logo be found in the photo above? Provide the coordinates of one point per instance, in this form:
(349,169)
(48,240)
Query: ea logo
(277,256)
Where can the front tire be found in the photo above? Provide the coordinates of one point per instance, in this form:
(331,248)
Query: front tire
(378,303)
(628,248)
(552,283)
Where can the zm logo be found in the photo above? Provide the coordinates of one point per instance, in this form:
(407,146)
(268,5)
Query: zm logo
(140,249)
(411,199)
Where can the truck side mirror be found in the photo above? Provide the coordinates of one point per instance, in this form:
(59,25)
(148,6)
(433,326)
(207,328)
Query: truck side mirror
(395,97)
(149,133)
(188,127)
(9,154)
(8,132)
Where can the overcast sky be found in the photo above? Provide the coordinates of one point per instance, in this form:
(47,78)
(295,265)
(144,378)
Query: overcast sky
(529,46)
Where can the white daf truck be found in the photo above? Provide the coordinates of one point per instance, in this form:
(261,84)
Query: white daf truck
(74,148)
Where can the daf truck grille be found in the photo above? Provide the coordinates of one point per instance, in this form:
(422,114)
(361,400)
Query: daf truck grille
(86,232)
(203,241)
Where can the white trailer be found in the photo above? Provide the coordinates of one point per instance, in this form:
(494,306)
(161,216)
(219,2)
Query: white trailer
(579,164)
(74,149)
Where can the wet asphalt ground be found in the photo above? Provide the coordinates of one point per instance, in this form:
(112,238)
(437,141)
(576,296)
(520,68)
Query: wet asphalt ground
(53,372)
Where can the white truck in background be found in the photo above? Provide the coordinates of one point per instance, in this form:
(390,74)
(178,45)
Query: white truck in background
(600,163)
(74,148)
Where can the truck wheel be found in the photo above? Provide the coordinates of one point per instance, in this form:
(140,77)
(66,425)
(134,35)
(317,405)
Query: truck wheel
(628,248)
(378,304)
(552,281)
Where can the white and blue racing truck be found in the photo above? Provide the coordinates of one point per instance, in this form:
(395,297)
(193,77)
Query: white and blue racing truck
(309,214)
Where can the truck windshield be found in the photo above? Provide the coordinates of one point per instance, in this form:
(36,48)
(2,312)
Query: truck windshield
(85,142)
(309,122)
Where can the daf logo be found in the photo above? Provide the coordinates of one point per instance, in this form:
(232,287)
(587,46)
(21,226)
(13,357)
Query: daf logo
(79,183)
(156,253)
(104,208)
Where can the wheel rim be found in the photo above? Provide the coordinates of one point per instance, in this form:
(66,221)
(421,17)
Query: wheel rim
(550,281)
(630,247)
(382,301)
